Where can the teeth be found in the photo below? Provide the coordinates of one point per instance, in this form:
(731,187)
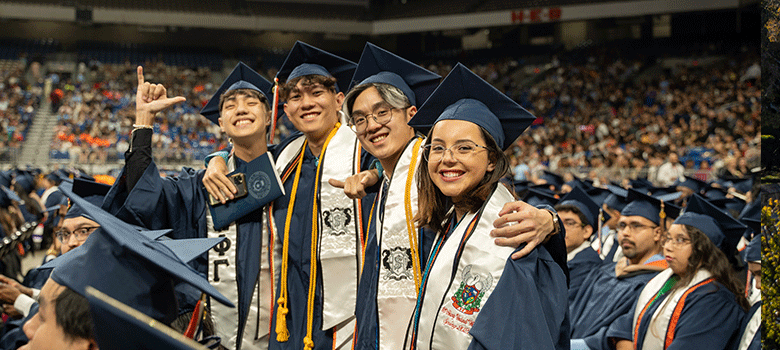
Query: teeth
(451,174)
(379,138)
(243,122)
(309,116)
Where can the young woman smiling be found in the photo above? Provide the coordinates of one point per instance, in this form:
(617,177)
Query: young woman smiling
(470,287)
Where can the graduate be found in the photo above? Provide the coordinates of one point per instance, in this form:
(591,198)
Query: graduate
(606,243)
(611,291)
(133,267)
(696,303)
(385,97)
(581,216)
(750,330)
(318,229)
(240,267)
(471,290)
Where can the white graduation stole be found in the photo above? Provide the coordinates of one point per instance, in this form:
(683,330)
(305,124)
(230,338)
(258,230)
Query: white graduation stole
(222,275)
(339,226)
(750,330)
(656,334)
(452,303)
(396,293)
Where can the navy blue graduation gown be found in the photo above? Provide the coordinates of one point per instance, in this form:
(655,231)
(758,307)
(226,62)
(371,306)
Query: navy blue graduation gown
(536,285)
(13,334)
(299,257)
(755,344)
(710,319)
(600,300)
(580,266)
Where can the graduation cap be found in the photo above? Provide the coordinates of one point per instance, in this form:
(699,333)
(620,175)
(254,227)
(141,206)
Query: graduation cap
(378,65)
(642,185)
(753,250)
(579,199)
(305,59)
(552,179)
(617,198)
(715,193)
(5,178)
(598,194)
(463,95)
(118,326)
(653,209)
(92,192)
(26,182)
(742,185)
(54,177)
(128,266)
(668,197)
(722,229)
(659,191)
(521,186)
(242,77)
(537,197)
(694,184)
(729,204)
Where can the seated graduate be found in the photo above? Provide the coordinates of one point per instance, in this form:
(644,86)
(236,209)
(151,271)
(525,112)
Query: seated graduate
(320,229)
(750,331)
(133,267)
(581,216)
(606,244)
(611,290)
(76,226)
(239,268)
(697,303)
(470,287)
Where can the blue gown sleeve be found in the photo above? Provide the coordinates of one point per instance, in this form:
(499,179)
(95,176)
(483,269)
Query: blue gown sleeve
(528,308)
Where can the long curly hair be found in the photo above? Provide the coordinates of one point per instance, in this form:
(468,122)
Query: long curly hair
(705,255)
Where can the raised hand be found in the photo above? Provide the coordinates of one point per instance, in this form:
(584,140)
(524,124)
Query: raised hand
(150,99)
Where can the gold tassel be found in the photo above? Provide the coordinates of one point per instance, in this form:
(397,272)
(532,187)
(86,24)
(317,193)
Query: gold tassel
(308,344)
(282,334)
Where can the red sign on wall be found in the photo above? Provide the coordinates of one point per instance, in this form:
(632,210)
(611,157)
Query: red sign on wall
(536,15)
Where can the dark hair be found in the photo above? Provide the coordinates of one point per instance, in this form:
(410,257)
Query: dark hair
(434,205)
(705,255)
(72,314)
(392,95)
(245,92)
(307,81)
(573,208)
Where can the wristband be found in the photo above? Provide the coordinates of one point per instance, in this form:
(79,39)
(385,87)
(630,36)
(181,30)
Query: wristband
(376,164)
(141,126)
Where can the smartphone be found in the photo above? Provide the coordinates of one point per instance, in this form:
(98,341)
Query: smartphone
(239,180)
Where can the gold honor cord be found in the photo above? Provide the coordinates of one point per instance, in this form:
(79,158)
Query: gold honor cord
(413,244)
(308,343)
(282,334)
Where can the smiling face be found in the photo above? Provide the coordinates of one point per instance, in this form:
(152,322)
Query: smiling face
(73,225)
(386,142)
(456,175)
(244,116)
(313,108)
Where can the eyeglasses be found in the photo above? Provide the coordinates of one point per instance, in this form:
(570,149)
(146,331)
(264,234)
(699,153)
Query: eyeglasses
(81,233)
(382,115)
(572,223)
(634,226)
(459,151)
(676,242)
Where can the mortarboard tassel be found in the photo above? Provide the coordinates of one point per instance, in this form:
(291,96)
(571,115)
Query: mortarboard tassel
(274,111)
(662,216)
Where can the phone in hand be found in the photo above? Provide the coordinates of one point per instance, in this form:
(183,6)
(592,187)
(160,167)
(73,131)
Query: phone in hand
(239,180)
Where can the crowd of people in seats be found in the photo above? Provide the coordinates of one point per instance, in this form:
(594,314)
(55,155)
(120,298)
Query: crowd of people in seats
(20,98)
(94,115)
(392,220)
